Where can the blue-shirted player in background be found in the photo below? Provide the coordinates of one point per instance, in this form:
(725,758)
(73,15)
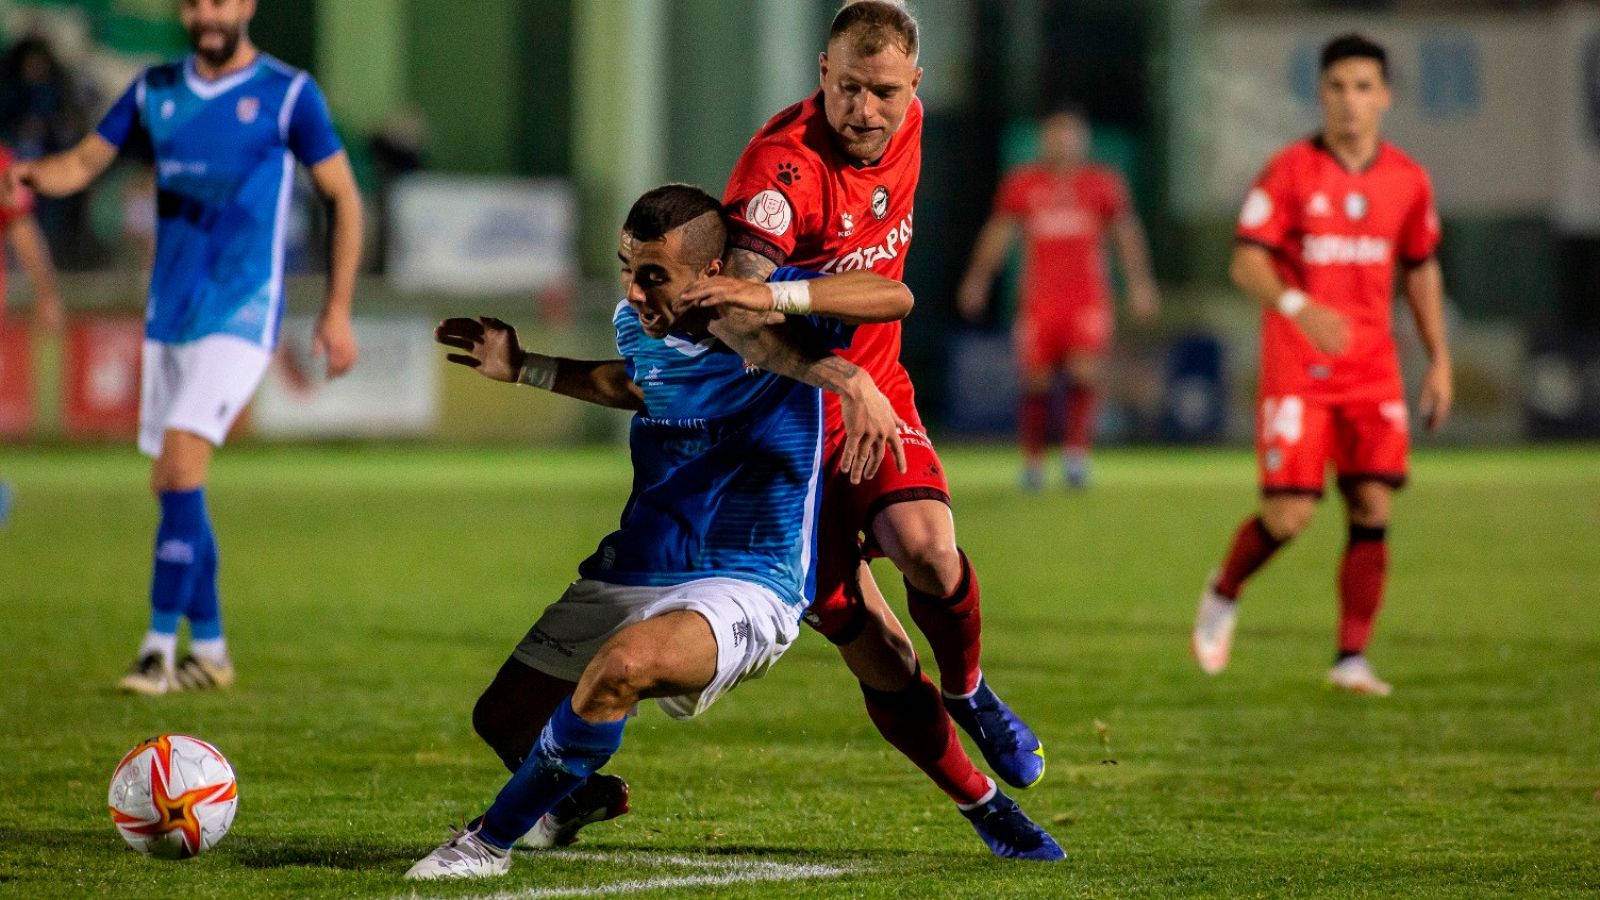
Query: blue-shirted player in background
(225,127)
(703,585)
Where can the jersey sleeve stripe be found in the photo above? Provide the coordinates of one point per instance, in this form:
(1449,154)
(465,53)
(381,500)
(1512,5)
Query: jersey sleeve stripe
(744,240)
(287,112)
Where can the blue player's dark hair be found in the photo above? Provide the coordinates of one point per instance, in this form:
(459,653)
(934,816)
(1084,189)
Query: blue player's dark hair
(1355,46)
(669,207)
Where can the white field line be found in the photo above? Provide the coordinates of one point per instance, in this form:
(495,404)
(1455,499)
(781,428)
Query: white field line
(722,872)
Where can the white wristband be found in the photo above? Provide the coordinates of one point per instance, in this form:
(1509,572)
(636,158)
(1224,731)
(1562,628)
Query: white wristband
(1292,301)
(792,298)
(538,371)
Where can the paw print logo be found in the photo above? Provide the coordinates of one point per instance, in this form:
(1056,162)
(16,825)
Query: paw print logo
(788,174)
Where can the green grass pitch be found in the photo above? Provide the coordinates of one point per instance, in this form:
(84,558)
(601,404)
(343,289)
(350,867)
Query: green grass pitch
(370,594)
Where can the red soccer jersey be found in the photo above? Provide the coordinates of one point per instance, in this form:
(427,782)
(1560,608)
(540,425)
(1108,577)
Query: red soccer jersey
(1064,218)
(1336,234)
(10,214)
(794,198)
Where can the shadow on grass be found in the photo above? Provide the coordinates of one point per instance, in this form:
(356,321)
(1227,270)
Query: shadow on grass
(321,852)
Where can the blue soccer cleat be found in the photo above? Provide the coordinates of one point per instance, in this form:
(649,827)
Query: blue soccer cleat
(1009,832)
(1007,743)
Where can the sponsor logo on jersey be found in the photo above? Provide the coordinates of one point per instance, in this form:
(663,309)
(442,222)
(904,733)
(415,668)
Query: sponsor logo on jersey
(249,108)
(880,203)
(1257,209)
(1344,250)
(1355,206)
(770,212)
(788,174)
(894,243)
(1319,205)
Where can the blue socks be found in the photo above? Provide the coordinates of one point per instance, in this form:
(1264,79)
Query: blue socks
(569,750)
(184,581)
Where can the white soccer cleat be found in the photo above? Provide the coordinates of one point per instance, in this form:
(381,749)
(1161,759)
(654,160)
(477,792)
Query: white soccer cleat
(465,855)
(1213,630)
(151,676)
(1354,674)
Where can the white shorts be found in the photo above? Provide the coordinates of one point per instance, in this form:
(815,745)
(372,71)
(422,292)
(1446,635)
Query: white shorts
(751,625)
(199,387)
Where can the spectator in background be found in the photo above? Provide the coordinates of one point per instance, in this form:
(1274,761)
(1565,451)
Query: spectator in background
(27,241)
(1065,208)
(44,110)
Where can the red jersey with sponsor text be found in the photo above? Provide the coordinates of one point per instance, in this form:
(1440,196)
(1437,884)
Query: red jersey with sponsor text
(1336,234)
(1064,217)
(794,198)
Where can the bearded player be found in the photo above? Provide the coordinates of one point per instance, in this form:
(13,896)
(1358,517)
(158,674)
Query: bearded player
(1065,207)
(1319,239)
(828,185)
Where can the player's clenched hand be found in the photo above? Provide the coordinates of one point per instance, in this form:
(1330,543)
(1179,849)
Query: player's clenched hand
(722,291)
(335,339)
(972,298)
(491,346)
(872,431)
(1438,392)
(1325,327)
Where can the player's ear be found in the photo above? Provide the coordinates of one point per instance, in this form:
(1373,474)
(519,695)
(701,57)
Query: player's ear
(714,268)
(822,66)
(916,79)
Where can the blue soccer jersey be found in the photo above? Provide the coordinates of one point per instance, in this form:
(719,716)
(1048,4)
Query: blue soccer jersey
(224,153)
(727,463)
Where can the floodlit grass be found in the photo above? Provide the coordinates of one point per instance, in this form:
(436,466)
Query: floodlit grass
(370,594)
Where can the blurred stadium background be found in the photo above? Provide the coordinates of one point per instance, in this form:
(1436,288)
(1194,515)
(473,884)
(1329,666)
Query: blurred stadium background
(499,142)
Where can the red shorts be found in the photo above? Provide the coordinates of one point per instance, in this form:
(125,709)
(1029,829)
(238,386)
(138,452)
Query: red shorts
(844,535)
(1296,438)
(1045,340)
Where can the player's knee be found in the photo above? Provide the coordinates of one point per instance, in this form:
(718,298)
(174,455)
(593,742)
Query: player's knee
(617,678)
(1287,521)
(168,475)
(933,565)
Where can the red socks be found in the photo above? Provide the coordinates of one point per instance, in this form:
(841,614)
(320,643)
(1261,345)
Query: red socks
(1252,546)
(1083,405)
(954,627)
(1361,580)
(915,722)
(1033,425)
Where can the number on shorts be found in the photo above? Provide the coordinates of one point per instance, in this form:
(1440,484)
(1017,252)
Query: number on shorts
(1282,419)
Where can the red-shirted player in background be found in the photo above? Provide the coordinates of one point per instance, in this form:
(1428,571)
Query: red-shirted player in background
(1319,237)
(33,254)
(828,185)
(1065,207)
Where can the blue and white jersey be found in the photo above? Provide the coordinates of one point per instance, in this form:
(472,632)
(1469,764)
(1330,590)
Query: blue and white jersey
(727,466)
(224,154)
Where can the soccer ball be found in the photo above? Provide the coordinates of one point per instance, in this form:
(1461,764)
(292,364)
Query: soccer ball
(173,797)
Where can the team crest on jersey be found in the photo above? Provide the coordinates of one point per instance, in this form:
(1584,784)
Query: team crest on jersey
(1355,206)
(847,224)
(168,107)
(770,212)
(1274,460)
(249,108)
(880,203)
(1319,205)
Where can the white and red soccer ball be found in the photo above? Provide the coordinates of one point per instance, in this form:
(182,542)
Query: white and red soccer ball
(173,797)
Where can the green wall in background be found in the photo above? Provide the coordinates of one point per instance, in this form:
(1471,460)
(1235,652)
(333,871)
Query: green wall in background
(462,71)
(360,59)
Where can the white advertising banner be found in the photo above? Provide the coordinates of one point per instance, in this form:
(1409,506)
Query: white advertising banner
(1577,198)
(463,235)
(1472,102)
(392,392)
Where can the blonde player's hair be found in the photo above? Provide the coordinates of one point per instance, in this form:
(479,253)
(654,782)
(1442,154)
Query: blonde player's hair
(873,25)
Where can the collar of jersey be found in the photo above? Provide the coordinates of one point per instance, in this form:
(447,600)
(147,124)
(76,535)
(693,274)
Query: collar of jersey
(686,345)
(1320,141)
(207,90)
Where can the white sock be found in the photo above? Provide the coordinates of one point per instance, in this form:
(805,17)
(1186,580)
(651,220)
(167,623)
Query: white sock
(213,650)
(157,642)
(967,696)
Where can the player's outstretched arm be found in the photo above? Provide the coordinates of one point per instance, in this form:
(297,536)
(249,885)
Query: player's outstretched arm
(1424,289)
(33,252)
(1253,272)
(335,335)
(972,297)
(856,298)
(1133,252)
(60,174)
(493,350)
